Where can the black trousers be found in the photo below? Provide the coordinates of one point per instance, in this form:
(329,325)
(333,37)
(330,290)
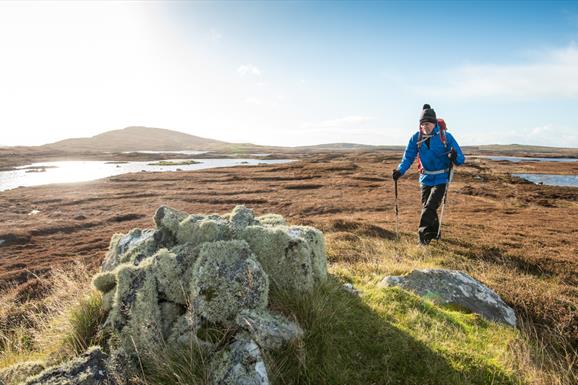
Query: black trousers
(431,199)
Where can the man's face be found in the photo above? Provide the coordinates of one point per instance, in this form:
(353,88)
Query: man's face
(427,127)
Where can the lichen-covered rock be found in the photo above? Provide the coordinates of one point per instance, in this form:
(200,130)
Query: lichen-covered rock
(168,270)
(136,314)
(170,312)
(293,257)
(19,372)
(316,242)
(196,229)
(241,363)
(198,279)
(167,218)
(108,300)
(271,220)
(455,288)
(88,369)
(133,247)
(184,330)
(241,217)
(270,331)
(104,282)
(227,279)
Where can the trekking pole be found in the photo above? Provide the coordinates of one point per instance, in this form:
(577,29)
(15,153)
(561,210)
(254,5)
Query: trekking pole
(450,175)
(396,210)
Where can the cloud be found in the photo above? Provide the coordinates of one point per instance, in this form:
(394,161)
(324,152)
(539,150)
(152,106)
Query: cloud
(546,135)
(249,69)
(552,74)
(348,122)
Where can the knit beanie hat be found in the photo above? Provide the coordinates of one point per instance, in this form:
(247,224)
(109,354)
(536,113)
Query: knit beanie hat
(427,115)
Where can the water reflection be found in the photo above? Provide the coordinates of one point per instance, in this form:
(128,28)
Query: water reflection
(551,179)
(83,171)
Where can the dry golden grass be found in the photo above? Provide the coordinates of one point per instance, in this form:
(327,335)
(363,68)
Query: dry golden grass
(58,322)
(540,355)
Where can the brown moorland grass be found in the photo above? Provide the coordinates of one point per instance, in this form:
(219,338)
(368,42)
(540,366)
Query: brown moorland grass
(517,237)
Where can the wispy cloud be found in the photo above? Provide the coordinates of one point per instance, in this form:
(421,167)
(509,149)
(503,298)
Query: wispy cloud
(551,74)
(248,70)
(545,135)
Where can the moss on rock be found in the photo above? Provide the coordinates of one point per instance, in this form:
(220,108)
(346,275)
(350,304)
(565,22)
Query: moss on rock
(226,279)
(136,314)
(168,271)
(134,247)
(104,282)
(241,363)
(197,229)
(90,368)
(271,220)
(204,279)
(288,255)
(169,219)
(241,217)
(19,372)
(270,331)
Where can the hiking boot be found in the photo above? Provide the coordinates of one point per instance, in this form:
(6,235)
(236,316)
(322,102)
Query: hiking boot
(423,242)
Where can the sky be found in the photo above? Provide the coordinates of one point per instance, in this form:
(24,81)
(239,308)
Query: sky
(290,73)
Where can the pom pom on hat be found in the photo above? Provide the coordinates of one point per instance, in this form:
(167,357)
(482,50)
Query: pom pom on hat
(427,115)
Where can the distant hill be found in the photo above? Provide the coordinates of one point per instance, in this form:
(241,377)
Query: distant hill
(144,139)
(161,139)
(522,149)
(348,147)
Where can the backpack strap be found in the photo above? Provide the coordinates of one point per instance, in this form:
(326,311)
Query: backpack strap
(443,129)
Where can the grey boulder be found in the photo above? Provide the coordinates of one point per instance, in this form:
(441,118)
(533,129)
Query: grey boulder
(451,287)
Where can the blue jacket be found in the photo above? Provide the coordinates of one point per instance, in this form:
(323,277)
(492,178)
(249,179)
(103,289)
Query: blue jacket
(433,158)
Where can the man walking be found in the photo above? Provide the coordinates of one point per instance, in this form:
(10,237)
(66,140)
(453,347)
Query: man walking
(436,149)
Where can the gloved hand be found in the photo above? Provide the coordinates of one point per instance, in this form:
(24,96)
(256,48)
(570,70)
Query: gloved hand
(396,174)
(453,155)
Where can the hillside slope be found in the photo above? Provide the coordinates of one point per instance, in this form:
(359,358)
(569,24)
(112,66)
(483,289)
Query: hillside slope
(142,139)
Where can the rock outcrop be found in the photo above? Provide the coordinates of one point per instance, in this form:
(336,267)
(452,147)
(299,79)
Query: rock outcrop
(449,287)
(90,368)
(191,274)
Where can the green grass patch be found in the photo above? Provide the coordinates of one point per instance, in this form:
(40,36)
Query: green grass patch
(386,336)
(86,320)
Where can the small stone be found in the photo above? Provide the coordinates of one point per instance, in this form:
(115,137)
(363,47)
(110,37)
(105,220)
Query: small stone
(270,331)
(241,363)
(348,287)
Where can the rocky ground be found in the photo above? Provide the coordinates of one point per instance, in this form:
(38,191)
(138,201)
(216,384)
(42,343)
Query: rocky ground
(525,230)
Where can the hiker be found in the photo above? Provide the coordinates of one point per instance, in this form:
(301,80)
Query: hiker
(435,149)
